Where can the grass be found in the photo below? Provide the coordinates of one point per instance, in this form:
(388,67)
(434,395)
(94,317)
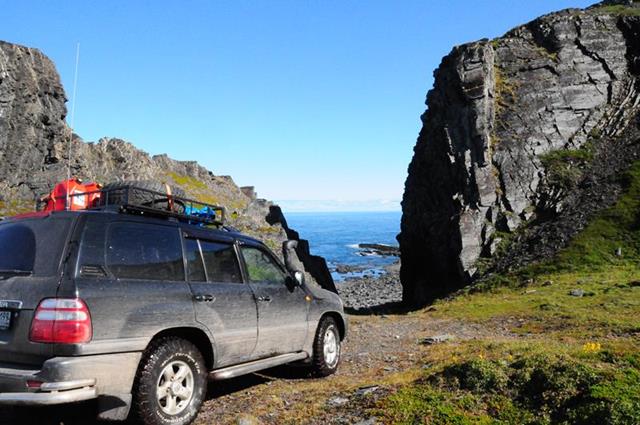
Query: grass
(204,193)
(505,90)
(616,228)
(553,56)
(559,358)
(564,167)
(523,385)
(11,208)
(619,10)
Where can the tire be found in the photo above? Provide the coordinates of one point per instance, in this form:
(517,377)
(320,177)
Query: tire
(325,359)
(161,362)
(117,194)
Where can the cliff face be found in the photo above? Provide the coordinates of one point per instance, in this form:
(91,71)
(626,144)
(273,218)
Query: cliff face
(512,126)
(34,152)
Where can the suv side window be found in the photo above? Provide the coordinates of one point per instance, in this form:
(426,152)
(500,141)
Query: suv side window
(261,267)
(144,251)
(195,266)
(221,262)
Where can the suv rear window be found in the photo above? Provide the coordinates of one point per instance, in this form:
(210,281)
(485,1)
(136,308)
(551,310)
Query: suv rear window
(33,246)
(144,251)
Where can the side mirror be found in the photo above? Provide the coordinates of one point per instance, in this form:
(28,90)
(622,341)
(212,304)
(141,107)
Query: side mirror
(298,278)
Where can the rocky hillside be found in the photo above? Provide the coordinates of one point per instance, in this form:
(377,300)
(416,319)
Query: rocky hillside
(34,152)
(521,144)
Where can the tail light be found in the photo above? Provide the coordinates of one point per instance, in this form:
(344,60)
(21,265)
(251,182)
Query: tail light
(61,321)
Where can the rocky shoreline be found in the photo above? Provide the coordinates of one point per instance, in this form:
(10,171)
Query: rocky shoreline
(363,293)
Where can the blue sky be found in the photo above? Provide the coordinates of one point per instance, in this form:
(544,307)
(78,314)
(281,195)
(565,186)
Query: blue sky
(314,101)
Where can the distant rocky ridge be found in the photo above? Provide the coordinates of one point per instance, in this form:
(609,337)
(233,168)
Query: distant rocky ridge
(520,132)
(34,152)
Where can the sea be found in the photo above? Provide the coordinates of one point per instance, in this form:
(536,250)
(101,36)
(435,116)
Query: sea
(336,236)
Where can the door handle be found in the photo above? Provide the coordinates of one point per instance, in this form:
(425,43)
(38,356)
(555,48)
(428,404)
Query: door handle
(204,298)
(265,299)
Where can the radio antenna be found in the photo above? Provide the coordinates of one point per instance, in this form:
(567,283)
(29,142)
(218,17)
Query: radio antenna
(73,116)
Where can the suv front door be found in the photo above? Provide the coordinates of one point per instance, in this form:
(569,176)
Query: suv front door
(223,303)
(282,307)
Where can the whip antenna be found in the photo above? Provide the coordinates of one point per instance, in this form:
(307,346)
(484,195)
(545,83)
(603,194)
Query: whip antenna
(73,116)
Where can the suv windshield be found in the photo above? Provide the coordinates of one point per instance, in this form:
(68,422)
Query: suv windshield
(32,246)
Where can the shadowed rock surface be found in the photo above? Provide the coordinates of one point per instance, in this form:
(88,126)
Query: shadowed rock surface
(34,152)
(513,128)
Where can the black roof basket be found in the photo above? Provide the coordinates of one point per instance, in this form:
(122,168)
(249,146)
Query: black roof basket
(136,200)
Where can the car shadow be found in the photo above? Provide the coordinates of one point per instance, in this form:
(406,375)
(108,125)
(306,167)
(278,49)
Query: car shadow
(243,383)
(85,413)
(70,414)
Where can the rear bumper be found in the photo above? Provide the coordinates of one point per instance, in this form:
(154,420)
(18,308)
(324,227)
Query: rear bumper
(50,397)
(68,379)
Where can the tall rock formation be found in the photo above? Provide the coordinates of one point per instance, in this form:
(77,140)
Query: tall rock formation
(501,116)
(35,145)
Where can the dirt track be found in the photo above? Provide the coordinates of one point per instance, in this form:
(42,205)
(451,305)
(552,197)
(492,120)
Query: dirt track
(378,349)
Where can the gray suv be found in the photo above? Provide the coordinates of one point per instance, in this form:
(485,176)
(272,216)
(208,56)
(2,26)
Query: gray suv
(139,311)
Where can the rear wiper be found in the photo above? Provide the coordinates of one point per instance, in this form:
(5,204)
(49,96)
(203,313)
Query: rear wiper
(15,272)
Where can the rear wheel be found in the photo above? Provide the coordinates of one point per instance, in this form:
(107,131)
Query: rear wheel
(326,348)
(171,383)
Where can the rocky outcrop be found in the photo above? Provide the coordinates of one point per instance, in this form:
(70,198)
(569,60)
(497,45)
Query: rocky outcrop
(499,114)
(36,147)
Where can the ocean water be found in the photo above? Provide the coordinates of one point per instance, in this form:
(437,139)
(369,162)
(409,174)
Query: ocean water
(336,235)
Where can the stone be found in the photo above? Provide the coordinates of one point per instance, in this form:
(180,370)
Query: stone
(364,391)
(379,249)
(496,110)
(370,421)
(437,339)
(246,419)
(577,293)
(337,401)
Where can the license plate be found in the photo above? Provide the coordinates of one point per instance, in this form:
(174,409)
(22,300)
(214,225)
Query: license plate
(5,320)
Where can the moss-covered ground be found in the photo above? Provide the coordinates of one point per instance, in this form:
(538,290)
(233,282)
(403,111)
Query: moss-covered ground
(573,356)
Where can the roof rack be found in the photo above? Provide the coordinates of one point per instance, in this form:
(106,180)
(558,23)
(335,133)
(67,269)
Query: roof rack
(136,200)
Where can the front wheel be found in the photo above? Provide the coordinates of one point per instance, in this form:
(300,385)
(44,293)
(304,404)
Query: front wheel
(171,383)
(326,348)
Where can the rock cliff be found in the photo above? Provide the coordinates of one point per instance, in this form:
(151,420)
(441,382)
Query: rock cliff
(34,152)
(520,132)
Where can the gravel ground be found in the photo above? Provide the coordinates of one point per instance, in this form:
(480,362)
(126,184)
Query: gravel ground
(378,347)
(366,293)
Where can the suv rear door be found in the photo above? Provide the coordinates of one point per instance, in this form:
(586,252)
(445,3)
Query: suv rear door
(30,258)
(223,303)
(131,276)
(282,307)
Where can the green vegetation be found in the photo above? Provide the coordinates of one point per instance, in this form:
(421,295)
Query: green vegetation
(564,167)
(11,208)
(553,56)
(200,191)
(188,183)
(619,9)
(616,228)
(539,388)
(505,90)
(576,320)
